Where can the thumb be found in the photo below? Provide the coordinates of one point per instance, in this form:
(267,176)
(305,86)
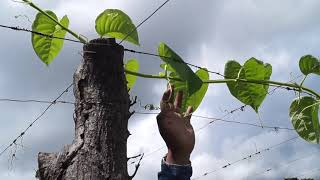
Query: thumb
(188,114)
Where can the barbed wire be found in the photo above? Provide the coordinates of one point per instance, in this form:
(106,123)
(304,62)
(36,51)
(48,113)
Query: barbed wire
(146,19)
(276,128)
(151,107)
(35,120)
(246,157)
(291,81)
(276,167)
(17,28)
(174,59)
(224,120)
(34,101)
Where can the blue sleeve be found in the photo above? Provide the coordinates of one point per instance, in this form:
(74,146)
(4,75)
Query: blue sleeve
(174,172)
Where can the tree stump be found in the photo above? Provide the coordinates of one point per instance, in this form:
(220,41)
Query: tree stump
(99,149)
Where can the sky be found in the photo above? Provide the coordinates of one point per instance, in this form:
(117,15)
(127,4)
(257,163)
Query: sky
(206,33)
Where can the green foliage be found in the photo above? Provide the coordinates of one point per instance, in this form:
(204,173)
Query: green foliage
(248,93)
(48,48)
(248,83)
(309,64)
(304,118)
(181,69)
(117,24)
(194,99)
(131,65)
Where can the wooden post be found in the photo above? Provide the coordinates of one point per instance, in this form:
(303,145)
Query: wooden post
(99,149)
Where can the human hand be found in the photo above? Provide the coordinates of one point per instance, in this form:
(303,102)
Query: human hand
(175,128)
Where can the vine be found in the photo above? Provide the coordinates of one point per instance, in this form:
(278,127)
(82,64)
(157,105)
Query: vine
(249,83)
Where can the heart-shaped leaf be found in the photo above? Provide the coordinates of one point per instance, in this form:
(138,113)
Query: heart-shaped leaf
(188,99)
(195,99)
(179,67)
(309,64)
(115,23)
(131,65)
(48,48)
(304,118)
(248,93)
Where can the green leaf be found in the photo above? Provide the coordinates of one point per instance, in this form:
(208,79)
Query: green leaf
(117,24)
(164,66)
(309,64)
(304,118)
(162,74)
(48,48)
(248,93)
(194,99)
(132,65)
(178,66)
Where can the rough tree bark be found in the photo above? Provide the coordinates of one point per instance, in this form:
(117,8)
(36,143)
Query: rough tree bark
(99,149)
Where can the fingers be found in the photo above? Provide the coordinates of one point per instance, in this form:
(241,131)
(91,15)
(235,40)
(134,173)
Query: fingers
(189,111)
(167,99)
(178,101)
(171,87)
(166,95)
(188,114)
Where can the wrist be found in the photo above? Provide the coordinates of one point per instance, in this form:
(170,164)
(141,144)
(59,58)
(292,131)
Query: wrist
(177,158)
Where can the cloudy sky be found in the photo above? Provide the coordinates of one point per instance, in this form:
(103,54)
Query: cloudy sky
(203,32)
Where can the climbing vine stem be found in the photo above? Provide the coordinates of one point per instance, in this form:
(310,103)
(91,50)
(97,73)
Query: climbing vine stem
(266,82)
(219,81)
(30,3)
